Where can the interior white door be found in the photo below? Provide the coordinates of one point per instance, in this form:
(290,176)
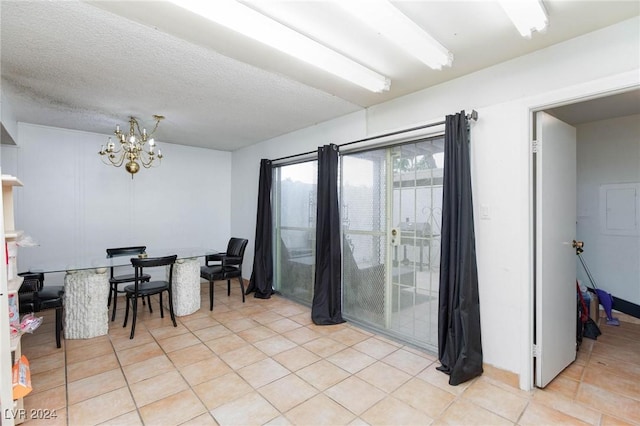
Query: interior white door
(555,293)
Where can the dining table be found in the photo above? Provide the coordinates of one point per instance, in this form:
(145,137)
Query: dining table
(86,285)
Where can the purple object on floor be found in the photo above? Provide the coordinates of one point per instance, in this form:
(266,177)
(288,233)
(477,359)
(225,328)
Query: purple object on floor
(606,300)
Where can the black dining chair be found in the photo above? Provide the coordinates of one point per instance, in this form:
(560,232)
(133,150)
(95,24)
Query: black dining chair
(34,297)
(229,265)
(141,288)
(115,280)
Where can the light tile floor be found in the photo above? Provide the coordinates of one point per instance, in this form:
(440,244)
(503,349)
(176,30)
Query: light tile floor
(264,362)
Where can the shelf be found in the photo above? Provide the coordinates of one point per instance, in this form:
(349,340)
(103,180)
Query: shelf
(8,180)
(14,284)
(9,283)
(12,235)
(15,342)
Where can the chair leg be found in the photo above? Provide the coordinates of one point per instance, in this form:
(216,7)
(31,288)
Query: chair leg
(241,287)
(211,295)
(161,308)
(135,316)
(173,317)
(228,287)
(126,312)
(110,294)
(114,292)
(58,325)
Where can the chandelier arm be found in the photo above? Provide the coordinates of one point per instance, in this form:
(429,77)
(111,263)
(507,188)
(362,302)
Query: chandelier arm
(153,163)
(120,160)
(110,160)
(107,161)
(146,159)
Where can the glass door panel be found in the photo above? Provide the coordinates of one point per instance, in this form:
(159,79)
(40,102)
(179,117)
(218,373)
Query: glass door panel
(391,209)
(295,230)
(364,226)
(417,209)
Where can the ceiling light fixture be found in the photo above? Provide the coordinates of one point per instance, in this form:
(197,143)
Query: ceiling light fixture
(526,15)
(249,22)
(132,147)
(394,25)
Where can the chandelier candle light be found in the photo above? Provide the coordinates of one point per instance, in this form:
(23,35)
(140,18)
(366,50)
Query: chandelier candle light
(132,147)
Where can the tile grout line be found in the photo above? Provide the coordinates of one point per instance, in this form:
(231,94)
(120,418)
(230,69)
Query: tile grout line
(125,379)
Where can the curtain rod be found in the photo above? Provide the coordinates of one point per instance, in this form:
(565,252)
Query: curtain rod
(473,115)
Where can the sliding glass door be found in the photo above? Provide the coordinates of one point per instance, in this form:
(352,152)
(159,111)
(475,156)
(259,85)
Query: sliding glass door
(391,207)
(391,212)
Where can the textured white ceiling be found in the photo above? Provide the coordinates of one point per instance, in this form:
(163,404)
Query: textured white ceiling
(72,65)
(89,65)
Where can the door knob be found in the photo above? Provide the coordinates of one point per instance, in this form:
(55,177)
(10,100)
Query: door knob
(578,245)
(394,237)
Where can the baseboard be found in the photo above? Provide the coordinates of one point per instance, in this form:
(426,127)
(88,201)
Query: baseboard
(626,307)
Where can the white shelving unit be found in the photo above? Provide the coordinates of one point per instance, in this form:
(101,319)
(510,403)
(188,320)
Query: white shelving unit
(10,282)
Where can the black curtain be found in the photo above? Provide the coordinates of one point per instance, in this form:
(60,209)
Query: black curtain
(262,276)
(327,306)
(459,342)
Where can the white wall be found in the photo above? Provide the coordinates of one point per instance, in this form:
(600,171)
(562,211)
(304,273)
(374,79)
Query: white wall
(503,95)
(8,121)
(72,203)
(608,153)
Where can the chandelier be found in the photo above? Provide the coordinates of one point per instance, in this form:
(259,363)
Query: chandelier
(132,152)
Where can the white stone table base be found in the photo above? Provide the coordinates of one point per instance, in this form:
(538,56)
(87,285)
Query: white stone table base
(86,294)
(186,286)
(86,313)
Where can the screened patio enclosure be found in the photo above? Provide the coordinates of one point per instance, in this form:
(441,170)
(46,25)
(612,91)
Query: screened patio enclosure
(391,205)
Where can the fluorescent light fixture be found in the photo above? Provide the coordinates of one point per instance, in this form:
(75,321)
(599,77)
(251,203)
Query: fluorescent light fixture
(253,24)
(526,15)
(394,25)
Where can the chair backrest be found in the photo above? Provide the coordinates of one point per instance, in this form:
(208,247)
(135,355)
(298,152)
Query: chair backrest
(125,251)
(236,247)
(32,282)
(151,262)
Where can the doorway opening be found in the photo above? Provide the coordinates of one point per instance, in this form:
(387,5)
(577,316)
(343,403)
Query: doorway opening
(601,148)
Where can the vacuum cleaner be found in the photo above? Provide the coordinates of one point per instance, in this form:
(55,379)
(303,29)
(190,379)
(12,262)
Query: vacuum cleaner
(606,300)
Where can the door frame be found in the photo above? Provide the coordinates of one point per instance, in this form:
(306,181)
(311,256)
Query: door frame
(612,85)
